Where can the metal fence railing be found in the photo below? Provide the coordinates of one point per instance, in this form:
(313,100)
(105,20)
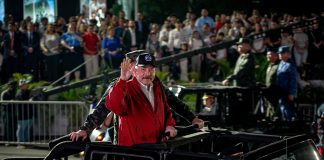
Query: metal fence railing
(37,122)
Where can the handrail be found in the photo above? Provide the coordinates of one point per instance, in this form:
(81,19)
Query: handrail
(42,102)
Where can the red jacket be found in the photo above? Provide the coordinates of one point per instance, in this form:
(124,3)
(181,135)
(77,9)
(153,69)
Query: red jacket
(138,123)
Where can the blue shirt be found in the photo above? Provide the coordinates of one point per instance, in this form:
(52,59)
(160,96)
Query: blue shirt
(71,39)
(287,77)
(202,20)
(111,45)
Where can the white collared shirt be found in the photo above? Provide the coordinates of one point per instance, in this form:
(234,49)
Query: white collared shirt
(133,37)
(148,91)
(176,37)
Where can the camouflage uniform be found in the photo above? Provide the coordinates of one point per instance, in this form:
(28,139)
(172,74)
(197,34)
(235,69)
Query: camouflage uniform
(271,93)
(271,75)
(243,76)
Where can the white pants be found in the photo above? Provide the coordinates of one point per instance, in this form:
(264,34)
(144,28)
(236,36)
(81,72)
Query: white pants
(300,57)
(196,63)
(92,64)
(184,69)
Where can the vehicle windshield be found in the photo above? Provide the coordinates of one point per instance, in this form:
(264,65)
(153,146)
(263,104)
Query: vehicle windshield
(300,151)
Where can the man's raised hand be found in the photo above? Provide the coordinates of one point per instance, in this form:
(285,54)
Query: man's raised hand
(125,69)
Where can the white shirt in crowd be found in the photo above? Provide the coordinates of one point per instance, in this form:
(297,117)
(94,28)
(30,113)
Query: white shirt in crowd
(176,37)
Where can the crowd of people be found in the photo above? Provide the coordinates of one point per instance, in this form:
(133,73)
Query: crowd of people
(48,51)
(51,50)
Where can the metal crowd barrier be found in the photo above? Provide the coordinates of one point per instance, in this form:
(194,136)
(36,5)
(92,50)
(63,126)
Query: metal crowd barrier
(46,120)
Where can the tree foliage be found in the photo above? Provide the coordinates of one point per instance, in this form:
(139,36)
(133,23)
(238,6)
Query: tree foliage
(158,10)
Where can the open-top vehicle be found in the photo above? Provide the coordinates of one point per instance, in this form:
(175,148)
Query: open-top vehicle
(240,108)
(212,144)
(209,143)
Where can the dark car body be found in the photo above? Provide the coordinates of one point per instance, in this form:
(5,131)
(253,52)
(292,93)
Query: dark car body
(205,145)
(240,108)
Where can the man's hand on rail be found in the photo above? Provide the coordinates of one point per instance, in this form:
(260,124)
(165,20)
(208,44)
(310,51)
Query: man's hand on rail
(74,136)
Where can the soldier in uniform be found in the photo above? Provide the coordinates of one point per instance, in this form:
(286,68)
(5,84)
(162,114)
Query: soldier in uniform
(244,71)
(271,76)
(287,84)
(243,76)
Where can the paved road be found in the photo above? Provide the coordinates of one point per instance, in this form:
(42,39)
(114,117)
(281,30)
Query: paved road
(32,151)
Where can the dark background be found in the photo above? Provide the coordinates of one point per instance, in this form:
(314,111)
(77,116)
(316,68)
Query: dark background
(157,10)
(65,8)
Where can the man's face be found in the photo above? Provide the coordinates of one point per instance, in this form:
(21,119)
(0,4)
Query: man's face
(208,102)
(51,27)
(284,56)
(167,23)
(204,12)
(44,22)
(121,14)
(11,28)
(192,22)
(90,29)
(121,22)
(145,74)
(139,16)
(178,25)
(272,56)
(72,27)
(131,24)
(24,87)
(213,40)
(206,28)
(30,27)
(244,47)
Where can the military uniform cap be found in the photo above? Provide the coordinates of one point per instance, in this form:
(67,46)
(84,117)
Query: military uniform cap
(244,40)
(145,59)
(272,49)
(207,95)
(283,49)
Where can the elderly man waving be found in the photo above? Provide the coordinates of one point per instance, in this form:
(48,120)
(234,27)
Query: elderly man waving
(140,103)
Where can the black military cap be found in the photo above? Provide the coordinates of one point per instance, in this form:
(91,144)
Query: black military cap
(207,95)
(145,59)
(244,40)
(12,82)
(23,81)
(272,49)
(283,49)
